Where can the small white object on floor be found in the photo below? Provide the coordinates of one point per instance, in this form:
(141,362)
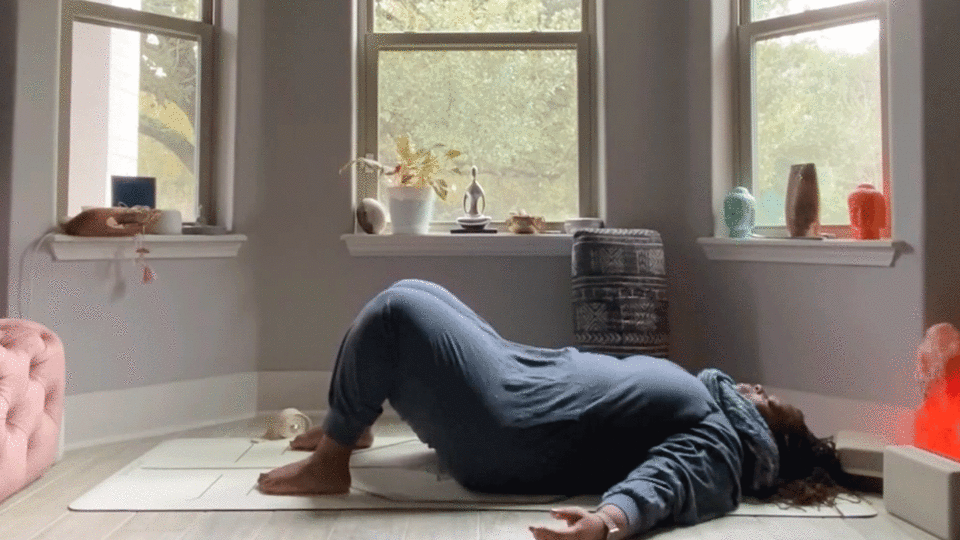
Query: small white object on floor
(286,424)
(923,488)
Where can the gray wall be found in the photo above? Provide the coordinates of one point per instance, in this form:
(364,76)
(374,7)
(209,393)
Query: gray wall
(840,331)
(8,85)
(310,288)
(526,298)
(285,303)
(199,319)
(941,130)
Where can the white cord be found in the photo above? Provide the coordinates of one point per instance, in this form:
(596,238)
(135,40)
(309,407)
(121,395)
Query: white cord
(23,312)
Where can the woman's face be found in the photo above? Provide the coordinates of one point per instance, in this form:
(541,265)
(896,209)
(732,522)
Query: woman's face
(778,415)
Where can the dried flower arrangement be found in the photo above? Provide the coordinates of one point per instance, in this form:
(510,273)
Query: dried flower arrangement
(416,168)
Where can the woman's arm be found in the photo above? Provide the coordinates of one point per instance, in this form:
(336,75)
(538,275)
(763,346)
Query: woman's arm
(584,525)
(691,477)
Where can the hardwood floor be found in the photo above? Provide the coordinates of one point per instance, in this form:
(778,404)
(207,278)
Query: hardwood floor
(39,512)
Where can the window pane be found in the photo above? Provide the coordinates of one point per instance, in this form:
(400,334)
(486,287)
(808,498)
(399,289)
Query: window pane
(512,113)
(184,9)
(477,15)
(767,9)
(133,110)
(817,99)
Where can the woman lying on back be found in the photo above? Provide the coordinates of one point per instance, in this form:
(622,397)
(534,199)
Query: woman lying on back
(663,446)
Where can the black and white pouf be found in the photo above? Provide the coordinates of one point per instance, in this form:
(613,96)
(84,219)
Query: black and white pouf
(620,292)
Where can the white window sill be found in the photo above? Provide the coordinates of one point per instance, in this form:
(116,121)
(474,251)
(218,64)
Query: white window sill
(173,246)
(803,251)
(458,245)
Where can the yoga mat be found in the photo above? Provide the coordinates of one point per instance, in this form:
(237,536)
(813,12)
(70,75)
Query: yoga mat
(396,473)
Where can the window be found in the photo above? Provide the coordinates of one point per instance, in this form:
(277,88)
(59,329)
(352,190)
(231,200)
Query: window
(136,99)
(510,83)
(812,91)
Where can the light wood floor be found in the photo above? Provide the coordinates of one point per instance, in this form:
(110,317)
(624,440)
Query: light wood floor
(40,512)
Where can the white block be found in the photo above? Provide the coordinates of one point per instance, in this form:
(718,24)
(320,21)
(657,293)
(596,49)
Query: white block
(860,454)
(923,488)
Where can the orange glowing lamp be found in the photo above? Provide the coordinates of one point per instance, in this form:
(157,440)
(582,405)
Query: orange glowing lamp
(937,422)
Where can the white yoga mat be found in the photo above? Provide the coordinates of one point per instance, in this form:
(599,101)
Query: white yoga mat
(396,473)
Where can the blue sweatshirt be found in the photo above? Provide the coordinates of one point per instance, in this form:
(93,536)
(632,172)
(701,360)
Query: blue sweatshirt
(650,417)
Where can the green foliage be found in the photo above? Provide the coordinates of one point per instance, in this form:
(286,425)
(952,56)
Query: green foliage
(169,79)
(476,15)
(819,105)
(765,9)
(512,113)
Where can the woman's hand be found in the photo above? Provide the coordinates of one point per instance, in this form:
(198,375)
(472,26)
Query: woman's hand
(581,525)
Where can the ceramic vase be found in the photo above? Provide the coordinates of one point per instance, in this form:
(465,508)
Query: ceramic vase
(868,212)
(803,201)
(739,212)
(411,208)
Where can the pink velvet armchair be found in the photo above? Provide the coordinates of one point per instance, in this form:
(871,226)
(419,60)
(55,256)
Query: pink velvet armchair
(32,378)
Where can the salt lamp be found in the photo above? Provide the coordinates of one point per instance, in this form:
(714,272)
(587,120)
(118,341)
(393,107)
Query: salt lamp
(937,422)
(938,354)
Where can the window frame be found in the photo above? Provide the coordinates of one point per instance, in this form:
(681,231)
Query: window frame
(584,42)
(203,31)
(748,33)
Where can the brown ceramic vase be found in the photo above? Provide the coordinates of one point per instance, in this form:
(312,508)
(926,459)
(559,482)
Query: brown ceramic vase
(803,201)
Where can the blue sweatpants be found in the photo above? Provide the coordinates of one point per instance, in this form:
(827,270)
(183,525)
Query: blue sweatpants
(443,369)
(509,418)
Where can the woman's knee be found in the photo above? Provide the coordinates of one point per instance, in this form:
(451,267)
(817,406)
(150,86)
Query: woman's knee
(412,283)
(409,305)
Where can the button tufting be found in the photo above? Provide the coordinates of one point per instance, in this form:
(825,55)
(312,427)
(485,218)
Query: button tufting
(30,447)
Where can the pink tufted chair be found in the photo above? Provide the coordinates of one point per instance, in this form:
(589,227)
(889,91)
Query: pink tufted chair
(31,402)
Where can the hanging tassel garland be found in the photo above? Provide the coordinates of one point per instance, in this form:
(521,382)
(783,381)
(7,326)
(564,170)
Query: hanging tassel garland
(148,274)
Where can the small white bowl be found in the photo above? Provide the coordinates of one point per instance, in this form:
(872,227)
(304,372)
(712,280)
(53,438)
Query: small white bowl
(571,226)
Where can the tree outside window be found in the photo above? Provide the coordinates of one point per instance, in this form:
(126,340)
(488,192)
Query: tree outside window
(816,98)
(135,107)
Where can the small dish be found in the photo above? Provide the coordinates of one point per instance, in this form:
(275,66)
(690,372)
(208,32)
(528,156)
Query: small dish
(571,226)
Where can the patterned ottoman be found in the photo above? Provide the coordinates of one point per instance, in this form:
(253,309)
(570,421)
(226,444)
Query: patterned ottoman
(31,402)
(620,292)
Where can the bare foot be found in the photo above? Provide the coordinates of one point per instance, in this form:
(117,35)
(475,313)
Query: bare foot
(310,439)
(312,476)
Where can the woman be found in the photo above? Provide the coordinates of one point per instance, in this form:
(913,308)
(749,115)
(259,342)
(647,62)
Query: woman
(663,446)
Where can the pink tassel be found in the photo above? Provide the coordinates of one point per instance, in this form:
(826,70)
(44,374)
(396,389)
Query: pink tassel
(148,275)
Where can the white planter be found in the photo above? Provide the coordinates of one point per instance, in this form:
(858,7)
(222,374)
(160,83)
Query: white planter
(411,209)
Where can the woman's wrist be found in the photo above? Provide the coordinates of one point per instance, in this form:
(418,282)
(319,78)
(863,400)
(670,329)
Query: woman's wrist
(613,515)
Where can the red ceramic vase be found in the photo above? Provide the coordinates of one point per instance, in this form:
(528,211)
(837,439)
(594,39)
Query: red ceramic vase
(868,212)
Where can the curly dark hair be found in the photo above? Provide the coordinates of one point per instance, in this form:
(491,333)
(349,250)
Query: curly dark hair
(810,470)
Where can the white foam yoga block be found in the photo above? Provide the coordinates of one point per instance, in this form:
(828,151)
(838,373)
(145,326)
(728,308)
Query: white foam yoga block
(923,488)
(860,454)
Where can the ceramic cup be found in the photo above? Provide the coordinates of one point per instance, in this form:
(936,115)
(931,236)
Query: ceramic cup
(169,222)
(571,226)
(286,424)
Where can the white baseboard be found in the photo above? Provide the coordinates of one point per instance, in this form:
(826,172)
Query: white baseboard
(105,417)
(304,390)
